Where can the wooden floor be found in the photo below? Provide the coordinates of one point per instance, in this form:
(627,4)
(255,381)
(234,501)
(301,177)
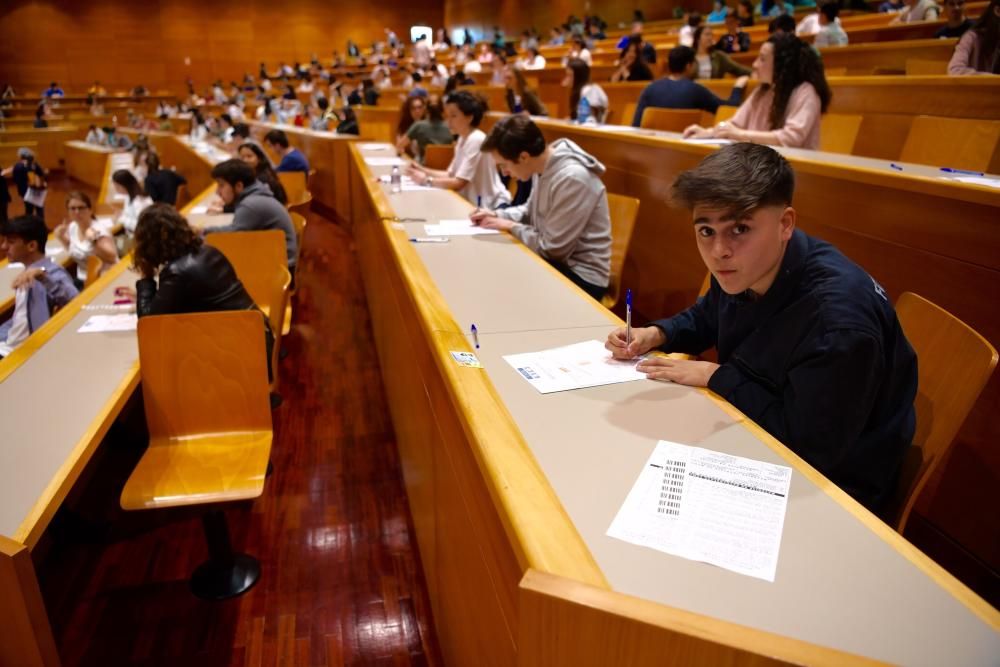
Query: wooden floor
(341,579)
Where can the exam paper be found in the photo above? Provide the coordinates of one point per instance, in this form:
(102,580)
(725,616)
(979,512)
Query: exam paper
(575,366)
(460,227)
(708,506)
(385,161)
(102,323)
(407,184)
(374,147)
(977,180)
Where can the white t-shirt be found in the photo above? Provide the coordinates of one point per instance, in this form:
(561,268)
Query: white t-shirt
(129,216)
(596,97)
(538,62)
(80,247)
(19,329)
(686,36)
(484,187)
(585,56)
(704,66)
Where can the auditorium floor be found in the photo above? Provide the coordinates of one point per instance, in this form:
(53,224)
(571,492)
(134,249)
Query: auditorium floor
(341,580)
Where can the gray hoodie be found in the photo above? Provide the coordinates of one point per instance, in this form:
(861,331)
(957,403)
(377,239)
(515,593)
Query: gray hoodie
(256,209)
(566,219)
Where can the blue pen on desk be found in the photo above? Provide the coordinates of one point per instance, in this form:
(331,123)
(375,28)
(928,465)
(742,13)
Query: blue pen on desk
(430,239)
(628,317)
(895,166)
(966,172)
(475,336)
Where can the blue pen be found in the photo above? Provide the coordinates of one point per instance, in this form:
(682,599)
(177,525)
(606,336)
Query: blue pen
(475,336)
(895,166)
(949,170)
(628,317)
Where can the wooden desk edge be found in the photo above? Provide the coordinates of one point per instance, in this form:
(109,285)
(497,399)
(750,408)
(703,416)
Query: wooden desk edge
(559,548)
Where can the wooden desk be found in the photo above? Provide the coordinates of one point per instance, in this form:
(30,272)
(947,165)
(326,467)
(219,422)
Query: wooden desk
(328,155)
(511,491)
(42,459)
(49,151)
(864,59)
(87,162)
(888,104)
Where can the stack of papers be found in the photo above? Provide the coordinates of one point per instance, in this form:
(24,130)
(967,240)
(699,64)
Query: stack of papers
(708,506)
(576,366)
(461,227)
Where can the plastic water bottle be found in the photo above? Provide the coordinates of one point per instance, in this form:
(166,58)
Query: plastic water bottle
(396,180)
(583,111)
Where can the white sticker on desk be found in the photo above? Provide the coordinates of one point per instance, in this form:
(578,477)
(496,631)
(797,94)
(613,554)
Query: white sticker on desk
(466,359)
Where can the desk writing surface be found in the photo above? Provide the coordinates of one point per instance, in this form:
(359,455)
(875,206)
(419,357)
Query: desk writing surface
(74,374)
(77,143)
(837,584)
(485,279)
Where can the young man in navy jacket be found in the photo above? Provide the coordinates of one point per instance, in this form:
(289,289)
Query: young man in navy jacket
(808,343)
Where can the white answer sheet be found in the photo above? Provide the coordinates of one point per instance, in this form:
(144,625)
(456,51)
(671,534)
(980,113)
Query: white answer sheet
(576,366)
(103,323)
(708,506)
(384,161)
(460,227)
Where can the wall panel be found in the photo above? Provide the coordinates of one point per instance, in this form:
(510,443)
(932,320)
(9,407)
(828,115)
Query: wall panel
(123,43)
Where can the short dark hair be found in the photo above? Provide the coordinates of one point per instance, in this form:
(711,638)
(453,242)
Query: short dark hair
(694,19)
(679,58)
(512,136)
(739,178)
(241,130)
(226,117)
(27,228)
(277,137)
(830,10)
(234,171)
(468,104)
(784,23)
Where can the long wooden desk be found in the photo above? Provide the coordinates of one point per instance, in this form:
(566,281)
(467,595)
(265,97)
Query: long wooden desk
(912,229)
(511,492)
(50,150)
(328,156)
(41,459)
(86,162)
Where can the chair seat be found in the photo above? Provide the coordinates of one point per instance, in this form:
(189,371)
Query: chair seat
(198,470)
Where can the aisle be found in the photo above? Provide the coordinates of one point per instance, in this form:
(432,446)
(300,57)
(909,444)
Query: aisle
(341,581)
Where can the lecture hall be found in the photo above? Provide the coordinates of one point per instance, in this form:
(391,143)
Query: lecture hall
(531,334)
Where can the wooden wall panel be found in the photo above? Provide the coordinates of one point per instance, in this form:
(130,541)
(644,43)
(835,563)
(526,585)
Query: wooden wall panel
(125,43)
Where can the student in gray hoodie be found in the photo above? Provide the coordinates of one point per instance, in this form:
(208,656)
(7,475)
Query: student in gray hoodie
(254,206)
(566,219)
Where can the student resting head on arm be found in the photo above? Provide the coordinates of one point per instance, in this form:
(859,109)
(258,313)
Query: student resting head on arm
(566,219)
(785,109)
(808,343)
(183,274)
(471,173)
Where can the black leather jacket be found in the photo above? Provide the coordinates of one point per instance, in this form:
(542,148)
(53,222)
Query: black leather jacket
(199,282)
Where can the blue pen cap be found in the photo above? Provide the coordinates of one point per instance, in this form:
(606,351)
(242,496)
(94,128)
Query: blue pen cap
(628,298)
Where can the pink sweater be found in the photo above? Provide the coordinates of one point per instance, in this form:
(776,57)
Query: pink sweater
(802,116)
(966,55)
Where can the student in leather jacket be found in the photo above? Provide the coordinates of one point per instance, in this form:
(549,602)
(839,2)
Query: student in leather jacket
(182,274)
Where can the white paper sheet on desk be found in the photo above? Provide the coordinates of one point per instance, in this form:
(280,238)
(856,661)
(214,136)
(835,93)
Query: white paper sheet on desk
(977,180)
(385,161)
(708,506)
(103,323)
(199,210)
(575,366)
(709,140)
(374,147)
(460,227)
